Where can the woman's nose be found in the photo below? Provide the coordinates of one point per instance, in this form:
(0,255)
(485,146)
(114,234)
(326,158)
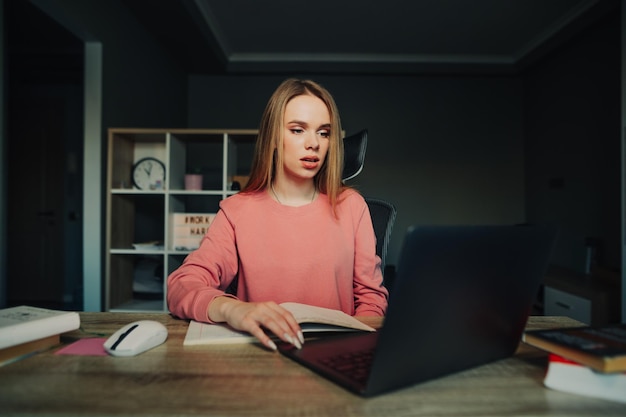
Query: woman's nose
(312,141)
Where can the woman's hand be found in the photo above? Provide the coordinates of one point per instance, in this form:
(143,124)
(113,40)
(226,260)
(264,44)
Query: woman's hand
(253,317)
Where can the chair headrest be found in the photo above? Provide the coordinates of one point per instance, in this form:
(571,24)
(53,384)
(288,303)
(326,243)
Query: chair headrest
(354,154)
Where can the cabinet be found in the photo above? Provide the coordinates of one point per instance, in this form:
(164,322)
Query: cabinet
(591,299)
(140,251)
(562,303)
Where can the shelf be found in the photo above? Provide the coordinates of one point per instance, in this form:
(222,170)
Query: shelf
(140,306)
(200,192)
(134,191)
(131,251)
(135,215)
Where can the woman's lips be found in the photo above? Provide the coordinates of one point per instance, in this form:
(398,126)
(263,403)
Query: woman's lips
(310,162)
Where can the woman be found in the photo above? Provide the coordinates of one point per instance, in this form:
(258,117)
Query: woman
(295,233)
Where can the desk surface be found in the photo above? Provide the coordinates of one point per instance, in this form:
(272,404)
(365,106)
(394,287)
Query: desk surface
(238,380)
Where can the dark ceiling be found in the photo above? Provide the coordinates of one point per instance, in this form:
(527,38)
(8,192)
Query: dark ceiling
(324,36)
(362,36)
(57,56)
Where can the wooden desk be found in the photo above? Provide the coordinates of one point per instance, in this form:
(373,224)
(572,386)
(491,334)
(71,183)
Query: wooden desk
(247,380)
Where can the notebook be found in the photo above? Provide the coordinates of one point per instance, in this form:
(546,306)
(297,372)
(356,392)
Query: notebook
(461,298)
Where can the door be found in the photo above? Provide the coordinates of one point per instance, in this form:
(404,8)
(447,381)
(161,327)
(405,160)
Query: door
(44,146)
(35,196)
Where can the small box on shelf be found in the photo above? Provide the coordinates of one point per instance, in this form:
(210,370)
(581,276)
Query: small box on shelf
(187,229)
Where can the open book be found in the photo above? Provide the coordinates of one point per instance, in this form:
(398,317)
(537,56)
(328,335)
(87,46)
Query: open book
(310,318)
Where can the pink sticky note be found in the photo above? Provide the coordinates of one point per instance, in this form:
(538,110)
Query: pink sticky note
(85,347)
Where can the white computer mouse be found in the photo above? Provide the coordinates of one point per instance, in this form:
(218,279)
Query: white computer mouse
(135,338)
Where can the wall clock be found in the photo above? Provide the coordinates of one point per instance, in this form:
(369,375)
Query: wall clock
(149,174)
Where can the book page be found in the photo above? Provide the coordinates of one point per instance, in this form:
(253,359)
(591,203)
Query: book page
(205,333)
(311,318)
(304,313)
(15,315)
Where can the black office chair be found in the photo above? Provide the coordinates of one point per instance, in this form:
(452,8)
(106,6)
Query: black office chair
(383,213)
(354,154)
(383,216)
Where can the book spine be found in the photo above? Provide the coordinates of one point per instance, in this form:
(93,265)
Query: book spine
(24,350)
(572,353)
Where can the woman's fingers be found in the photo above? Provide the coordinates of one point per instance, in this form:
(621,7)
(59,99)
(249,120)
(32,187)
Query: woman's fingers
(289,326)
(258,332)
(277,320)
(294,326)
(254,317)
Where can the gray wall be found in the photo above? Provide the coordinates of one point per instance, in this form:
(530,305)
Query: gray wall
(141,87)
(3,169)
(444,150)
(572,125)
(543,146)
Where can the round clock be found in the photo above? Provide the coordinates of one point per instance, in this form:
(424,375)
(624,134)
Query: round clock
(149,174)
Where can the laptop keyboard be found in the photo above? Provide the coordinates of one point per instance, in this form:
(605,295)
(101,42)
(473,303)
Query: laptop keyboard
(354,365)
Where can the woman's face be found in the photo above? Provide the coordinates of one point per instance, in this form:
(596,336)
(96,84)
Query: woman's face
(306,127)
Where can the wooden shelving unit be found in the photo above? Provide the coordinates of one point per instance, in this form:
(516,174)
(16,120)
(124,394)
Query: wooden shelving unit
(135,275)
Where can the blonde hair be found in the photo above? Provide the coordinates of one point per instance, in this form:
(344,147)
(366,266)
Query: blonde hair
(268,153)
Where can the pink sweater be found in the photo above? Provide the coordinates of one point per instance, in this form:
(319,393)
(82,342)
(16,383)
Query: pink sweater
(281,253)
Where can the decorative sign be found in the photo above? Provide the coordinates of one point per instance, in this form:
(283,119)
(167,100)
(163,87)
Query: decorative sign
(188,229)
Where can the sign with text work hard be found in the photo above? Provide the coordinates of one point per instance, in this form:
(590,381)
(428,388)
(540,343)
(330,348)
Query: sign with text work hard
(187,229)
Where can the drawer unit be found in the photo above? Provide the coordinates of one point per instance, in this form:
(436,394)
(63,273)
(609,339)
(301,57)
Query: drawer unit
(590,298)
(561,303)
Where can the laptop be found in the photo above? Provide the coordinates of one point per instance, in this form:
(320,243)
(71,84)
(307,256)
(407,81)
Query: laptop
(461,298)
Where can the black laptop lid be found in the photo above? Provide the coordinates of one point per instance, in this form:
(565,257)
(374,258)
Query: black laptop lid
(462,298)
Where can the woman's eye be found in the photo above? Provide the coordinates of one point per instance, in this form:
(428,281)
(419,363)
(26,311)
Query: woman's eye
(324,133)
(296,131)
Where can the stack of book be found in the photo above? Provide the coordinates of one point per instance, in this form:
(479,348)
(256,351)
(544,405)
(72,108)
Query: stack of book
(26,330)
(585,360)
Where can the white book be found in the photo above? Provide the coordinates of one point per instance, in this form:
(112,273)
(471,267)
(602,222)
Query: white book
(310,318)
(24,324)
(568,376)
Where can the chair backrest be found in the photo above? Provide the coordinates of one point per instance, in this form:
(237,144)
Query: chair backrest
(383,216)
(382,212)
(354,154)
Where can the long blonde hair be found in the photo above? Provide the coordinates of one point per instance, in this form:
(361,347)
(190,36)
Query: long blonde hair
(268,153)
